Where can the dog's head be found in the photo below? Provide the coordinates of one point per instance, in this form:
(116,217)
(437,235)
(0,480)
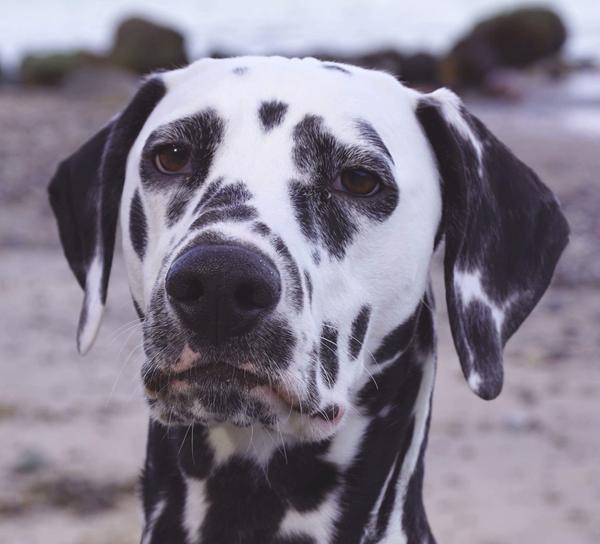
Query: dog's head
(279,217)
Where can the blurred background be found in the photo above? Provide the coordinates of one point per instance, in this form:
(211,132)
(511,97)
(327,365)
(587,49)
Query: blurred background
(524,468)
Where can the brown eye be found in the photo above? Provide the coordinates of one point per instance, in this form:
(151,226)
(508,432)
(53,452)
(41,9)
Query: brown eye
(358,182)
(171,158)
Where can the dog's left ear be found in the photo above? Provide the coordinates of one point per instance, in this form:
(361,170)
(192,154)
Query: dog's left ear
(85,195)
(504,233)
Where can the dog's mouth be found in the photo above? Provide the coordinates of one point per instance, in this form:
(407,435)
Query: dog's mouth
(218,392)
(221,375)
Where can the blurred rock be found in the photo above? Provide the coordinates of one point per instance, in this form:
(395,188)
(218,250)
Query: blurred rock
(52,68)
(415,69)
(514,39)
(30,461)
(419,69)
(81,495)
(143,46)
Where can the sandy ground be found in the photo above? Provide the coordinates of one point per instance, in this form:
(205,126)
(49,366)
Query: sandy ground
(524,468)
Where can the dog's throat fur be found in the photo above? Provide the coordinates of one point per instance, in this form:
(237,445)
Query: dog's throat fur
(362,486)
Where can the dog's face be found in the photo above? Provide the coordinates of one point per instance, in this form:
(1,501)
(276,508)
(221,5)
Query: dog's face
(276,225)
(279,218)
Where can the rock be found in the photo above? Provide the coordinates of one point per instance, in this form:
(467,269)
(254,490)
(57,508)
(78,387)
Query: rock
(514,39)
(143,46)
(30,461)
(417,69)
(52,68)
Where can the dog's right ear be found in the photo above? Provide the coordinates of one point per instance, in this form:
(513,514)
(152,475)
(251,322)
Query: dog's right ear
(85,195)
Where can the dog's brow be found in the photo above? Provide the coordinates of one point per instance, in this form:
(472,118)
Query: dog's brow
(372,137)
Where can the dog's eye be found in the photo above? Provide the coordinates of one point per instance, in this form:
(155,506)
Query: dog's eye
(358,182)
(172,158)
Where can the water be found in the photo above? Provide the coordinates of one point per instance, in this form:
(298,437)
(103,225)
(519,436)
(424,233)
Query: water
(285,26)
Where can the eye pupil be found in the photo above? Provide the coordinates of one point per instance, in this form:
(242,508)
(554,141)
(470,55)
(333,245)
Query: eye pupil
(171,158)
(359,182)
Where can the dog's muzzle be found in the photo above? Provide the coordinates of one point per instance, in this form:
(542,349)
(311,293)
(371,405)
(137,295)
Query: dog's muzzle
(222,291)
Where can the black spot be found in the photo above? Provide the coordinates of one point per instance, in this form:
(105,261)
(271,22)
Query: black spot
(240,70)
(329,354)
(138,310)
(224,203)
(178,203)
(398,339)
(381,450)
(309,286)
(202,132)
(243,507)
(297,538)
(359,329)
(138,228)
(262,229)
(337,68)
(331,218)
(295,281)
(317,476)
(271,114)
(162,480)
(232,195)
(195,454)
(389,497)
(414,519)
(367,131)
(236,214)
(209,192)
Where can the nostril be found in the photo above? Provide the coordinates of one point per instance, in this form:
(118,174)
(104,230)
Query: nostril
(252,297)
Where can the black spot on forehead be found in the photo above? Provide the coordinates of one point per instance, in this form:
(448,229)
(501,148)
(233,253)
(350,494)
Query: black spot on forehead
(337,68)
(138,228)
(271,114)
(329,354)
(358,331)
(240,70)
(369,134)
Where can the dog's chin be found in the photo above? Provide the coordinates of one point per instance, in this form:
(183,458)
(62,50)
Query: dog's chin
(259,406)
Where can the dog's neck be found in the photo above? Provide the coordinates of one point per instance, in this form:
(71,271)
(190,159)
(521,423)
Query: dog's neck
(363,486)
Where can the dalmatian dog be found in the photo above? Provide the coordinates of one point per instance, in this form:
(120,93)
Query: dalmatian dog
(279,218)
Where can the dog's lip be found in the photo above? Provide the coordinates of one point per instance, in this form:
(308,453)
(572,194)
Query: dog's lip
(208,374)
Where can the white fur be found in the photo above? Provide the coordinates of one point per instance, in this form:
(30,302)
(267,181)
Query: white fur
(93,308)
(154,516)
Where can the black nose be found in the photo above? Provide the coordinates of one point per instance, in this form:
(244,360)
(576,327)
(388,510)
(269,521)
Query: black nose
(221,291)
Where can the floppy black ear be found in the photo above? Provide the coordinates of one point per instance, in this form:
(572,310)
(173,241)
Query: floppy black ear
(504,233)
(85,194)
